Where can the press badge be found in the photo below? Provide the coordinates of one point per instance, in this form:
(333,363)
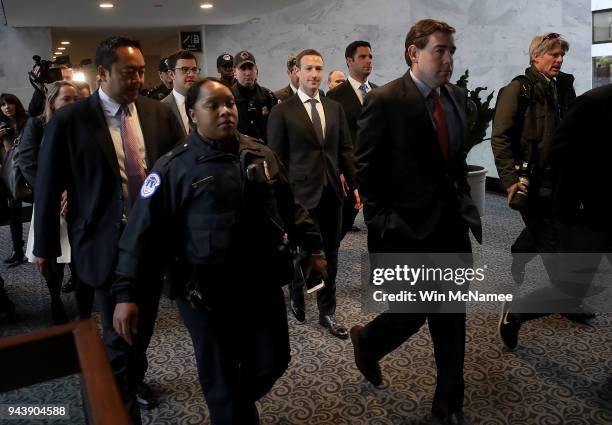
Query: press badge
(150,185)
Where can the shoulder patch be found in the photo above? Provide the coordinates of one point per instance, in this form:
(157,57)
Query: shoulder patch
(150,185)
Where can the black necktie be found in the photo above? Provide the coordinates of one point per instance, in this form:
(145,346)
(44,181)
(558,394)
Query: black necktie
(316,119)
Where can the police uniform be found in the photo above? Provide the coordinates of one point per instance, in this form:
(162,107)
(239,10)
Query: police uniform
(224,216)
(157,93)
(254,105)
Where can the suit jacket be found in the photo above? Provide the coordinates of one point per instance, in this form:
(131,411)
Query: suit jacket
(580,158)
(404,181)
(77,154)
(284,93)
(171,102)
(310,164)
(346,96)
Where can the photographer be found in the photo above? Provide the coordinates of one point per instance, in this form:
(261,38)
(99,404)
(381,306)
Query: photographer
(13,118)
(528,111)
(43,72)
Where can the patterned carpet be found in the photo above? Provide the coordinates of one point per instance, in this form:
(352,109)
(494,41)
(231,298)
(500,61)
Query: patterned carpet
(559,375)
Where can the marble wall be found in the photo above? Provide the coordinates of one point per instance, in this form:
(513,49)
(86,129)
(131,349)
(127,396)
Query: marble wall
(492,38)
(18,45)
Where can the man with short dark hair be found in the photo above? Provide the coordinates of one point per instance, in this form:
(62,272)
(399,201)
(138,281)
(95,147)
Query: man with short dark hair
(165,88)
(99,150)
(351,94)
(225,68)
(183,70)
(254,102)
(310,134)
(294,81)
(335,78)
(411,208)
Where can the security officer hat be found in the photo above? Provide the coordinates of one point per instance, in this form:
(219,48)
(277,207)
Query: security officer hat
(225,60)
(243,57)
(163,65)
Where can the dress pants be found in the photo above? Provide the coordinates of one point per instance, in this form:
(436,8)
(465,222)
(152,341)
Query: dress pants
(390,330)
(241,345)
(328,216)
(129,363)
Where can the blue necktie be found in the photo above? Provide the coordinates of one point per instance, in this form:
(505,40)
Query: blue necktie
(364,91)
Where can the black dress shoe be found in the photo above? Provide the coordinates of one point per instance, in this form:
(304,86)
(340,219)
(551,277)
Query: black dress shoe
(145,398)
(366,365)
(355,229)
(333,326)
(509,326)
(15,259)
(298,311)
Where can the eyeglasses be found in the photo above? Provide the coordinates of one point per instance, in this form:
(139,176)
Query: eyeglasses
(549,36)
(188,70)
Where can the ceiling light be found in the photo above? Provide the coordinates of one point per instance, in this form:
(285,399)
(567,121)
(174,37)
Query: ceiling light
(65,42)
(61,48)
(206,5)
(57,53)
(106,5)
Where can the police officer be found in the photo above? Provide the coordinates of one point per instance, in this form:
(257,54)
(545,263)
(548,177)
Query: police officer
(225,68)
(164,89)
(254,102)
(220,206)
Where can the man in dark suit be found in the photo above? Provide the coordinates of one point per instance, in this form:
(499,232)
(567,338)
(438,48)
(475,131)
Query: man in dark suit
(294,81)
(183,70)
(351,94)
(411,173)
(310,134)
(99,149)
(580,155)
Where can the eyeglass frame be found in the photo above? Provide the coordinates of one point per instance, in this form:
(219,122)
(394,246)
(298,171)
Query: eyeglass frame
(187,69)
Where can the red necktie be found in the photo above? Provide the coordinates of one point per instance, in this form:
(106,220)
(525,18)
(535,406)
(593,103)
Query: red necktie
(134,167)
(441,125)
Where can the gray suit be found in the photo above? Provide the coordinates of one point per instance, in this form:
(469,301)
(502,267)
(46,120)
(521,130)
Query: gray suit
(171,102)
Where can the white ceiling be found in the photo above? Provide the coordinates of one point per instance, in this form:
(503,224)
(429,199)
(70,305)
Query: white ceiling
(134,13)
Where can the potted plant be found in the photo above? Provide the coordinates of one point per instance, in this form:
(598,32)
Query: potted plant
(479,115)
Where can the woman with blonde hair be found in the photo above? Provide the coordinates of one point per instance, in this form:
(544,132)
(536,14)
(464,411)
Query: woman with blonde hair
(59,94)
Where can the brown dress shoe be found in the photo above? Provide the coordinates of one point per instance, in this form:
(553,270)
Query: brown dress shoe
(366,365)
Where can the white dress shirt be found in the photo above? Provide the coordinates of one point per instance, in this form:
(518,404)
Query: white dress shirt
(113,119)
(305,98)
(180,104)
(356,84)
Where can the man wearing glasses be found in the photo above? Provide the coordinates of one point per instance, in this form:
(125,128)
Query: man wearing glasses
(528,112)
(183,70)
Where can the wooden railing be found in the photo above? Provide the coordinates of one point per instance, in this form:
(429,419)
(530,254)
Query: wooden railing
(62,351)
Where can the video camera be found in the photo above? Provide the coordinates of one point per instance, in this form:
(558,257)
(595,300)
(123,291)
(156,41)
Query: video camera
(48,71)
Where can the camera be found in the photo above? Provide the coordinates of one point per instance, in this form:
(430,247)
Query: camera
(48,71)
(10,132)
(519,199)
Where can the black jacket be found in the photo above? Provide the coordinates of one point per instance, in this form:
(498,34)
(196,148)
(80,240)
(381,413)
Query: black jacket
(345,95)
(28,148)
(77,154)
(511,145)
(254,106)
(223,215)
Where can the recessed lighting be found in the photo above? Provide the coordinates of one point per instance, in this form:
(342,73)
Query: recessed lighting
(54,57)
(61,48)
(65,43)
(106,5)
(57,53)
(206,5)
